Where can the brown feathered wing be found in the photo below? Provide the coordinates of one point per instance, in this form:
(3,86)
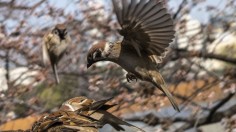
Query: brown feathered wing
(146,26)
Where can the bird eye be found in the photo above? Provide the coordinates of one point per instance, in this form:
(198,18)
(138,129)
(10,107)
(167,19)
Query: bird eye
(90,57)
(97,54)
(56,32)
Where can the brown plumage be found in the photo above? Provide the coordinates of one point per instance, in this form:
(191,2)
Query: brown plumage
(54,47)
(65,121)
(147,29)
(80,114)
(96,110)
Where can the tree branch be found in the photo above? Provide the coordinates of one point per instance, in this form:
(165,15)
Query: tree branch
(186,54)
(153,120)
(179,9)
(218,106)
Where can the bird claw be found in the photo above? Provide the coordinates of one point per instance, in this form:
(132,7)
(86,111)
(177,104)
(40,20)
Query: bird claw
(131,77)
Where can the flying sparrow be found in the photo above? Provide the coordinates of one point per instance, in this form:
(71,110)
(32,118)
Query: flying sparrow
(55,46)
(147,30)
(96,110)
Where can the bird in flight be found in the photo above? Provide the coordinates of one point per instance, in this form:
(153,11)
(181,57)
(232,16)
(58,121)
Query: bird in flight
(147,31)
(54,47)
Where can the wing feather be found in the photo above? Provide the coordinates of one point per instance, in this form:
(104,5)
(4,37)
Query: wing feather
(125,4)
(118,12)
(45,55)
(146,26)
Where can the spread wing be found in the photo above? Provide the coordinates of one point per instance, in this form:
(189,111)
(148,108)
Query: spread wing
(145,25)
(45,55)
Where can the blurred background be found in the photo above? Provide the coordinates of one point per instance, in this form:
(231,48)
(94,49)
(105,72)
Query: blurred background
(200,67)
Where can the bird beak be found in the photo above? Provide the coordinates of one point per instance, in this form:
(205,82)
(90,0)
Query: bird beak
(62,36)
(88,65)
(90,62)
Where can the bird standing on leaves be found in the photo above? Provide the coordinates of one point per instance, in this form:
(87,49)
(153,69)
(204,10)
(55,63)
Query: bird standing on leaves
(147,30)
(55,46)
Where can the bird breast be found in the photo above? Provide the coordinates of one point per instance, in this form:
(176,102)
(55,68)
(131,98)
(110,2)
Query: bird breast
(58,46)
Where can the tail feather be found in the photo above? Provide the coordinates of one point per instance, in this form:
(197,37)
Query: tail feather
(54,68)
(116,122)
(170,97)
(159,82)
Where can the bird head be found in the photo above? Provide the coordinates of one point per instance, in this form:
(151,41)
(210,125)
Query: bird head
(60,31)
(76,103)
(96,53)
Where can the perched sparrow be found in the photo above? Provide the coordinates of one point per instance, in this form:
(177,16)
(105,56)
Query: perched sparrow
(147,29)
(96,110)
(66,121)
(55,46)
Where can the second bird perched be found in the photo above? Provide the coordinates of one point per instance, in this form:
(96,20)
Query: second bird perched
(54,47)
(96,110)
(147,29)
(81,114)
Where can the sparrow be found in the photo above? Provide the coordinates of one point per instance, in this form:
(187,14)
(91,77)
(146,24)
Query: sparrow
(96,110)
(67,121)
(55,46)
(147,30)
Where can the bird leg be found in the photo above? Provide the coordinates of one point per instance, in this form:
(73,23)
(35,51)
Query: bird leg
(130,77)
